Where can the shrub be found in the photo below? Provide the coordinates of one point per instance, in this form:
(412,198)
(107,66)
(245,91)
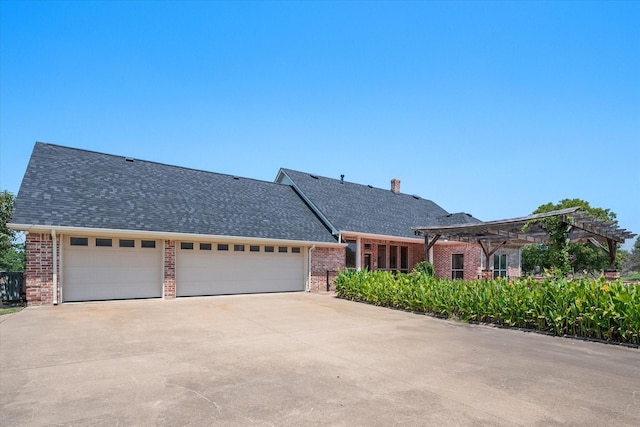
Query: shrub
(582,307)
(424,268)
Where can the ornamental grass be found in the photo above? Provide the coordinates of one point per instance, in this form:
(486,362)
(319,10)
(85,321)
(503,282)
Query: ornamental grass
(587,308)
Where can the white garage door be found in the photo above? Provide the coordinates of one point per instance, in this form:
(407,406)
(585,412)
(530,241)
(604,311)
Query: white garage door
(220,268)
(97,268)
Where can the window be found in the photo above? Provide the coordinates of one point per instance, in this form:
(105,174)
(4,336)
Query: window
(79,241)
(205,246)
(457,266)
(148,244)
(393,257)
(499,265)
(382,257)
(295,250)
(283,249)
(103,242)
(128,243)
(238,248)
(351,254)
(268,248)
(223,247)
(404,259)
(186,245)
(254,248)
(368,246)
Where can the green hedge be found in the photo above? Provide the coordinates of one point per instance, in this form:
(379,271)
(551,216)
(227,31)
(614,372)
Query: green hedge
(582,307)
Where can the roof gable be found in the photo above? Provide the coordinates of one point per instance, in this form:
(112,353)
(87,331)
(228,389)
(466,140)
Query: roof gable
(351,207)
(77,188)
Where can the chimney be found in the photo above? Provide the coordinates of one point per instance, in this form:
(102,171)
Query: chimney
(395,185)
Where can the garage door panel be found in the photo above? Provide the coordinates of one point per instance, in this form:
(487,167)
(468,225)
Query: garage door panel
(220,273)
(102,273)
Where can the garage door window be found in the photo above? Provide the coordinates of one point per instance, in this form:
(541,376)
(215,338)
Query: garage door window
(205,246)
(186,245)
(283,249)
(127,243)
(295,250)
(268,248)
(254,248)
(238,248)
(148,243)
(79,241)
(223,247)
(104,242)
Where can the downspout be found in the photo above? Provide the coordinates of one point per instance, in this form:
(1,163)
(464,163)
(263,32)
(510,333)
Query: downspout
(312,248)
(55,267)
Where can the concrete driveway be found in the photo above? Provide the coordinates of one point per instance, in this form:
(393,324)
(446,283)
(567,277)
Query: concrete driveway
(299,359)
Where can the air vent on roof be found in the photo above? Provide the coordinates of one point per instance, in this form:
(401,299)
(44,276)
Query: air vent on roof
(370,186)
(468,214)
(449,216)
(313,176)
(236,177)
(128,159)
(415,196)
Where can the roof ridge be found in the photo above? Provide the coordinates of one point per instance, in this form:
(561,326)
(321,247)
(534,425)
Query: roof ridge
(313,175)
(156,162)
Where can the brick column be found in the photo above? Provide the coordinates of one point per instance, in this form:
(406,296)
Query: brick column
(169,281)
(38,273)
(323,260)
(611,275)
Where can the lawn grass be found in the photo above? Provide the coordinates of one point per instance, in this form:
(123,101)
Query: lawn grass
(10,310)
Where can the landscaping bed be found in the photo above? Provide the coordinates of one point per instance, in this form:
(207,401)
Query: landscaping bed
(582,307)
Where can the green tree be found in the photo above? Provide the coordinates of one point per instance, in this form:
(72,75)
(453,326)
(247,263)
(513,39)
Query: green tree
(12,253)
(633,261)
(6,207)
(558,254)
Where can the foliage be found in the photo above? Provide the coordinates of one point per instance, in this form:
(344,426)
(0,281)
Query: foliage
(14,258)
(425,268)
(6,208)
(12,254)
(632,264)
(564,257)
(585,307)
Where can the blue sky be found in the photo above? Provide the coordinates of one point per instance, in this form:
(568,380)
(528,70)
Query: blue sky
(491,108)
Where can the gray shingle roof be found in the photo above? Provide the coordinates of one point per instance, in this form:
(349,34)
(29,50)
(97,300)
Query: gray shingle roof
(365,209)
(77,188)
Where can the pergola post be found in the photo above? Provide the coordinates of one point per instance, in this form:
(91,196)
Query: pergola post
(487,273)
(428,244)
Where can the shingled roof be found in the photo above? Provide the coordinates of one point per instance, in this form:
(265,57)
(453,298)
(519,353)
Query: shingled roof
(350,207)
(68,187)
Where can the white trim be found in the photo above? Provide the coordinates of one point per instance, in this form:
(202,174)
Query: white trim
(350,234)
(33,228)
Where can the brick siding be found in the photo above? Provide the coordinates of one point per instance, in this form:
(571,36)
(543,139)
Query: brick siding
(442,259)
(325,260)
(38,273)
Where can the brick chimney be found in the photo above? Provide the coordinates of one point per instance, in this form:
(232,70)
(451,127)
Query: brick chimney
(395,185)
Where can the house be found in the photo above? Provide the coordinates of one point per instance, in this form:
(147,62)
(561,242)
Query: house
(102,227)
(377,226)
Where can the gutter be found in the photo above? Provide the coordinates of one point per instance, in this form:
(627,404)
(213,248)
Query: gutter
(33,228)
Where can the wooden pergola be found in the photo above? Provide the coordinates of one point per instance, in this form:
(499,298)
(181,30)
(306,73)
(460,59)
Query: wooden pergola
(492,235)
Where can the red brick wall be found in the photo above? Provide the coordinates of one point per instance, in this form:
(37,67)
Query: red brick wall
(323,260)
(169,288)
(442,259)
(39,269)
